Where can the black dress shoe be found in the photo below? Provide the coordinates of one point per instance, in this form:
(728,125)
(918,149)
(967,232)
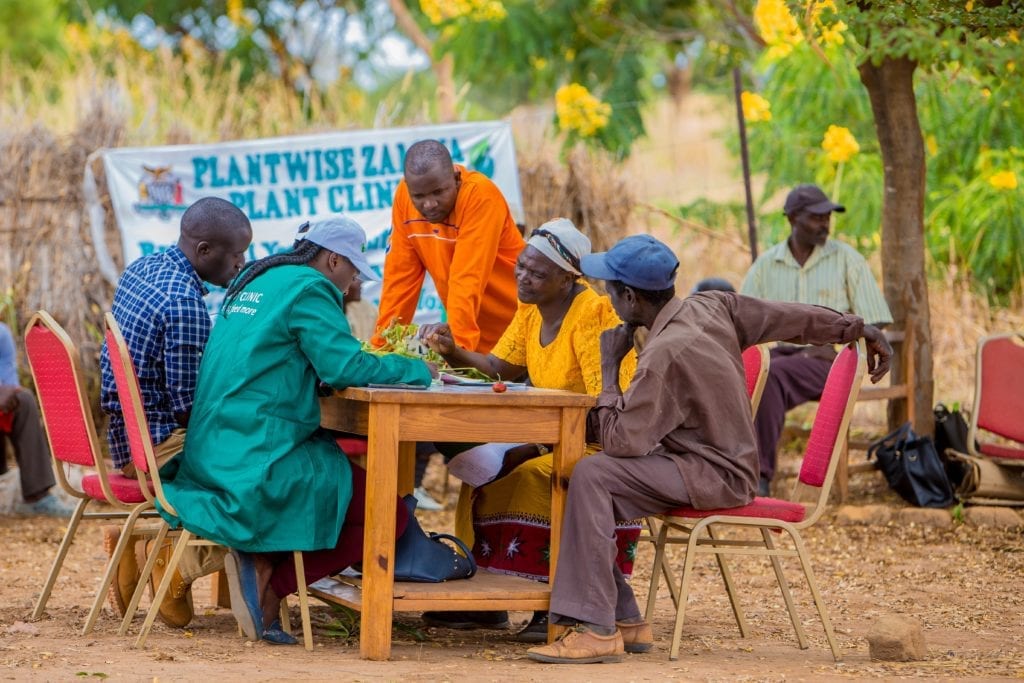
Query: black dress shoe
(465,621)
(536,631)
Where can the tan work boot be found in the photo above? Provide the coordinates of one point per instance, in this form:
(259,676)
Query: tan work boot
(636,637)
(176,608)
(580,646)
(127,578)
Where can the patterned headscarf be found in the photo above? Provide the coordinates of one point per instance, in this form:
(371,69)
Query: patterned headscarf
(561,243)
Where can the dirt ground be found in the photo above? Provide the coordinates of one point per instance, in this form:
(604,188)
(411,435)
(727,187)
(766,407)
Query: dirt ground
(962,583)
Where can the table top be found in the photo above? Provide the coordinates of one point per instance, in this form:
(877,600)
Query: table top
(468,395)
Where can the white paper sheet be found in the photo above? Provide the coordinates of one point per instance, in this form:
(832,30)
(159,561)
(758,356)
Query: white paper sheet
(480,464)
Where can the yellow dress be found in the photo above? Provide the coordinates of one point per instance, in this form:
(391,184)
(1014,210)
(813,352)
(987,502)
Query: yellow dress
(508,522)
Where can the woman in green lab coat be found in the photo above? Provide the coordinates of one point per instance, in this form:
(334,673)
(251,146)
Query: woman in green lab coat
(258,474)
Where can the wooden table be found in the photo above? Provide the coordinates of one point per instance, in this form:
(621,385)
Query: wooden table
(394,420)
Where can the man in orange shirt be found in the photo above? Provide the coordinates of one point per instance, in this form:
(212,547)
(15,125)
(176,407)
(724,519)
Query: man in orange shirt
(454,224)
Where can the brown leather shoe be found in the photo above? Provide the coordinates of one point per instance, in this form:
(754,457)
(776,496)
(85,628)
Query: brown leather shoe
(636,637)
(127,578)
(580,646)
(176,608)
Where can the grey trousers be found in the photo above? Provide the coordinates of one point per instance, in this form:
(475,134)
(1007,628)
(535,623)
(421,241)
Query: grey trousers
(588,586)
(31,450)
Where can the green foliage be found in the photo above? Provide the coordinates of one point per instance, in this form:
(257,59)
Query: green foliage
(957,513)
(286,37)
(611,48)
(970,119)
(807,95)
(944,34)
(30,29)
(981,226)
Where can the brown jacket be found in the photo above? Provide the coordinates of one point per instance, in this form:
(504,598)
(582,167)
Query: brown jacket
(688,397)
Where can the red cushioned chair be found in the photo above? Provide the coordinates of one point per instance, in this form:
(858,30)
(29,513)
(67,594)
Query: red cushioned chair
(70,430)
(141,444)
(755,372)
(999,399)
(768,515)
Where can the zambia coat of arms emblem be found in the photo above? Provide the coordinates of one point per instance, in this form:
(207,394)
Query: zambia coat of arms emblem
(160,192)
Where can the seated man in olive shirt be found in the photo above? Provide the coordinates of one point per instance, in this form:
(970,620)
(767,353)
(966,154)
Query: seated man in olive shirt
(680,435)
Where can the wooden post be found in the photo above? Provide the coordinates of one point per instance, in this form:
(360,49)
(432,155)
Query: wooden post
(737,87)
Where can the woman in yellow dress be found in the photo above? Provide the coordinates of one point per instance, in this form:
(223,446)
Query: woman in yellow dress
(554,340)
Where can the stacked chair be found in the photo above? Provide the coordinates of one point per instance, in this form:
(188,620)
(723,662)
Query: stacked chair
(56,370)
(994,462)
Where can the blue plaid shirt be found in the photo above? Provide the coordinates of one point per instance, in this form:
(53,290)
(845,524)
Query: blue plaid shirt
(159,308)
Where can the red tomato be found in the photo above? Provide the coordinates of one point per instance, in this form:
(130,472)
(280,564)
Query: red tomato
(499,387)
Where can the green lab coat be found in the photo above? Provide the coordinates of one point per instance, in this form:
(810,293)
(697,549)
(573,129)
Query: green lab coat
(257,474)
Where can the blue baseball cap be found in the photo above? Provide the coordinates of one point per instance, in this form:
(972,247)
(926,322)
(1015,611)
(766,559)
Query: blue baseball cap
(639,261)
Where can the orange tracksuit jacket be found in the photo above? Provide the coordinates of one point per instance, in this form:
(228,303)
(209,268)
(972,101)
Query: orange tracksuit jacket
(470,256)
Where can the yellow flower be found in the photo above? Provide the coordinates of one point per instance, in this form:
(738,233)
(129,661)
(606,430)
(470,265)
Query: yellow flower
(125,42)
(932,145)
(820,5)
(1013,36)
(986,93)
(578,110)
(755,107)
(570,55)
(1011,66)
(439,11)
(777,26)
(355,101)
(76,38)
(1004,180)
(432,9)
(833,35)
(969,6)
(839,143)
(236,14)
(538,63)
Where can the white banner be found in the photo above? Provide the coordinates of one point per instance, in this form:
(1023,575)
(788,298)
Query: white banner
(282,182)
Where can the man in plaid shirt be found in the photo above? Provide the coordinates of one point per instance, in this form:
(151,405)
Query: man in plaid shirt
(159,307)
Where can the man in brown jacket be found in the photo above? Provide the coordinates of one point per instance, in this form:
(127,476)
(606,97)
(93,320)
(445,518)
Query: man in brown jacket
(680,435)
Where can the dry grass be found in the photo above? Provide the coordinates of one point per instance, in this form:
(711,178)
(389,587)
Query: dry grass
(585,186)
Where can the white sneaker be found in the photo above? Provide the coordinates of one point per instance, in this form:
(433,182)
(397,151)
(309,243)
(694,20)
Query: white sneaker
(49,505)
(424,501)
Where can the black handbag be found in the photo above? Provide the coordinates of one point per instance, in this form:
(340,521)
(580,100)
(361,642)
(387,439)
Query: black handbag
(912,468)
(426,558)
(951,434)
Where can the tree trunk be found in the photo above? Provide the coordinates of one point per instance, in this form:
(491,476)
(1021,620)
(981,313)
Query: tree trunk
(444,69)
(890,86)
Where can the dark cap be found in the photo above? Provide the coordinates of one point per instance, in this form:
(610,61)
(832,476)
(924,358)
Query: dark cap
(639,261)
(810,198)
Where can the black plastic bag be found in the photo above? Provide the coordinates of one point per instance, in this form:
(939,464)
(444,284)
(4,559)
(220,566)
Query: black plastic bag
(912,468)
(951,433)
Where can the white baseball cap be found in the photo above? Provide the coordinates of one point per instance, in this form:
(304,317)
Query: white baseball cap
(344,237)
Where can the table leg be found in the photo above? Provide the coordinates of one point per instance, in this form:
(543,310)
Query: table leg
(568,451)
(379,534)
